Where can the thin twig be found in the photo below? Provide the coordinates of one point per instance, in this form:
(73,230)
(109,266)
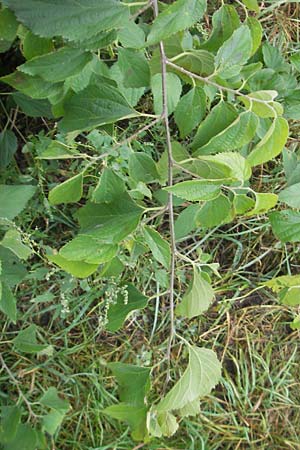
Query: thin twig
(170,196)
(141,10)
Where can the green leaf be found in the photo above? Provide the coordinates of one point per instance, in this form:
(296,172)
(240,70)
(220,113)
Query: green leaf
(239,133)
(10,421)
(93,106)
(13,241)
(197,298)
(87,249)
(295,60)
(142,167)
(58,65)
(179,153)
(132,35)
(290,296)
(252,5)
(186,221)
(214,212)
(158,246)
(134,67)
(25,439)
(33,45)
(34,87)
(57,150)
(8,25)
(180,15)
(234,53)
(8,147)
(190,110)
(109,187)
(256,31)
(273,58)
(291,195)
(162,424)
(13,199)
(13,271)
(263,202)
(242,203)
(123,307)
(286,225)
(200,377)
(132,95)
(195,190)
(78,269)
(219,118)
(135,416)
(265,106)
(224,22)
(52,421)
(72,19)
(271,144)
(8,303)
(33,107)
(174,89)
(200,62)
(133,382)
(26,341)
(69,191)
(231,165)
(51,399)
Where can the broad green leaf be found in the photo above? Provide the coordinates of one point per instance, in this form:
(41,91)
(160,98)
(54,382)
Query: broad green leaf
(57,66)
(123,307)
(133,382)
(242,203)
(109,187)
(93,106)
(265,106)
(13,271)
(234,53)
(10,421)
(33,45)
(214,212)
(256,31)
(34,87)
(13,199)
(112,268)
(52,421)
(291,195)
(159,247)
(295,325)
(110,222)
(272,143)
(195,190)
(33,107)
(190,110)
(135,416)
(86,249)
(81,80)
(186,221)
(286,225)
(200,62)
(13,241)
(162,424)
(132,95)
(252,5)
(8,302)
(263,202)
(8,25)
(273,58)
(132,35)
(57,150)
(174,88)
(52,400)
(200,377)
(72,19)
(8,147)
(26,341)
(295,60)
(180,15)
(142,167)
(134,67)
(231,165)
(284,281)
(69,191)
(239,133)
(78,269)
(197,298)
(291,166)
(179,154)
(292,105)
(219,118)
(25,439)
(290,296)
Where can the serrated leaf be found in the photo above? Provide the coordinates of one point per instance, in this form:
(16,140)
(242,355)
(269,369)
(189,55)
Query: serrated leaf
(78,269)
(8,302)
(134,67)
(13,199)
(197,298)
(291,195)
(13,241)
(26,341)
(196,190)
(273,58)
(158,246)
(58,65)
(263,202)
(34,87)
(132,95)
(8,25)
(33,107)
(33,45)
(190,110)
(109,187)
(286,225)
(180,15)
(239,133)
(174,89)
(142,167)
(214,212)
(72,19)
(265,106)
(271,144)
(200,377)
(231,165)
(8,147)
(69,191)
(162,424)
(234,53)
(119,311)
(93,106)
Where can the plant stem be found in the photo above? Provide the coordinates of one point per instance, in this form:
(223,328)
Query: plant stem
(170,196)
